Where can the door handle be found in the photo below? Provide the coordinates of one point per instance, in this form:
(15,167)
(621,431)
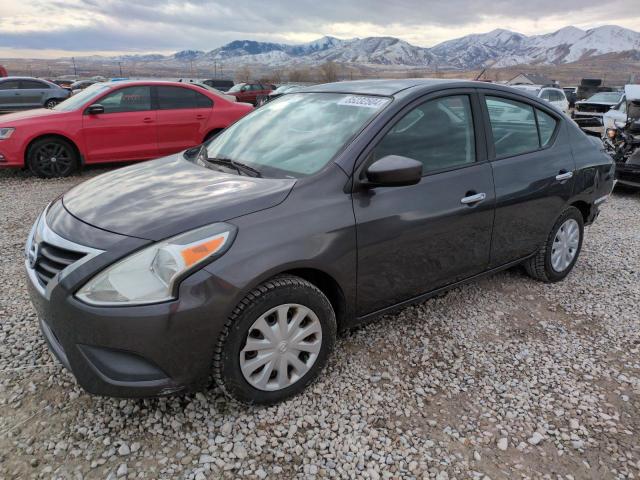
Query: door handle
(564,175)
(147,120)
(471,199)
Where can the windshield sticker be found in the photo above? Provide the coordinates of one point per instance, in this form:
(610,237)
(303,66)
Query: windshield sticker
(362,101)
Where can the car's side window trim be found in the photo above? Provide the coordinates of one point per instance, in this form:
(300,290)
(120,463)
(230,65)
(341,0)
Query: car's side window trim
(109,92)
(535,105)
(363,160)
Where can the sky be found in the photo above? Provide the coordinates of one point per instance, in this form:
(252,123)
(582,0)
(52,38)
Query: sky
(54,28)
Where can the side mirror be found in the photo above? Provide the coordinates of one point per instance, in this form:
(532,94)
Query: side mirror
(95,109)
(394,171)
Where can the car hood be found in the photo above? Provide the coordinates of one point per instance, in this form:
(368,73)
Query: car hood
(586,102)
(11,118)
(158,199)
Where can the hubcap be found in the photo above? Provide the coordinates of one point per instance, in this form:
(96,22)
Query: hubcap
(565,245)
(53,159)
(281,346)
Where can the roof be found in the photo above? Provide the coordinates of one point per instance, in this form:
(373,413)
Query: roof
(14,77)
(377,87)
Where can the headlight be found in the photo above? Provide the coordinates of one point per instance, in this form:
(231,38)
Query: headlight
(151,275)
(6,132)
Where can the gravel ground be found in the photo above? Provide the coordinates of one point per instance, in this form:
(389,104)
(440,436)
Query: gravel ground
(504,378)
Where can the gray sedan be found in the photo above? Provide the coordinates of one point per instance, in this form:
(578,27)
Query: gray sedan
(21,93)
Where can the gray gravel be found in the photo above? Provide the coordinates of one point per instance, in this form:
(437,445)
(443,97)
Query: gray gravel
(505,378)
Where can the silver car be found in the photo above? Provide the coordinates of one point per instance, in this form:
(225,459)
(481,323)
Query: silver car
(20,93)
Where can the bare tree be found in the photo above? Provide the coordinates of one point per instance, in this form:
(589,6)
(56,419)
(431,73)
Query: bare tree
(299,75)
(329,71)
(243,74)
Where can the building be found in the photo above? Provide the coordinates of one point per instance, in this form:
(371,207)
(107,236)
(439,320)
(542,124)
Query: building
(531,79)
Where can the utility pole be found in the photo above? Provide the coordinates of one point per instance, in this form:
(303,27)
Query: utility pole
(120,67)
(75,70)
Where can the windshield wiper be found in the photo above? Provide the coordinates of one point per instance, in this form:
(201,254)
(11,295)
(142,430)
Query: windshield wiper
(227,162)
(238,166)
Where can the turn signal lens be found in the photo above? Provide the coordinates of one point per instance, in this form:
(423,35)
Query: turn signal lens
(151,275)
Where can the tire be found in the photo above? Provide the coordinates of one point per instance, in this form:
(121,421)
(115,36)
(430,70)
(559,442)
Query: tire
(547,264)
(52,157)
(269,384)
(52,102)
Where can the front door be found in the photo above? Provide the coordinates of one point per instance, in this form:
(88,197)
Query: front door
(127,130)
(183,115)
(417,238)
(10,97)
(533,170)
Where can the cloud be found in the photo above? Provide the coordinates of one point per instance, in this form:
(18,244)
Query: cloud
(169,25)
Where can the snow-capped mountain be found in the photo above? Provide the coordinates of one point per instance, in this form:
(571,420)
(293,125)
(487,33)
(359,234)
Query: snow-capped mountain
(478,49)
(498,48)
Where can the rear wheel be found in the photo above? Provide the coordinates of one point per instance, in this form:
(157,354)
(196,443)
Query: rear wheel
(52,102)
(52,157)
(276,341)
(556,258)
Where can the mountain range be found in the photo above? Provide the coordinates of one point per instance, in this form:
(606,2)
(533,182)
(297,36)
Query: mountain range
(498,48)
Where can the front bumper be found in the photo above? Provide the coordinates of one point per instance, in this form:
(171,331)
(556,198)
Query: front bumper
(135,351)
(628,175)
(11,155)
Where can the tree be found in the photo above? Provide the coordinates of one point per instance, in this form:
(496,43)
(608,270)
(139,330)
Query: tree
(329,71)
(243,75)
(299,75)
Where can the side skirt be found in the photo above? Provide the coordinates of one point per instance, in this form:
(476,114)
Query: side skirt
(433,293)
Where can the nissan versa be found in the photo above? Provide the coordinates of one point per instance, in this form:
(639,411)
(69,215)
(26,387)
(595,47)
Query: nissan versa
(241,258)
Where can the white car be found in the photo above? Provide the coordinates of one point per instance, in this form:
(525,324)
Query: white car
(555,96)
(618,113)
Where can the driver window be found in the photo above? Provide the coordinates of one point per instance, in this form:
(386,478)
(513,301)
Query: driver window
(438,133)
(129,99)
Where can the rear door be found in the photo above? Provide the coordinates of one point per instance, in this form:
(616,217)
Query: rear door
(127,130)
(183,116)
(33,93)
(533,168)
(414,239)
(10,97)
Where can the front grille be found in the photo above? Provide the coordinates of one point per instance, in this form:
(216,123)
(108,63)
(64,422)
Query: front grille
(593,108)
(52,259)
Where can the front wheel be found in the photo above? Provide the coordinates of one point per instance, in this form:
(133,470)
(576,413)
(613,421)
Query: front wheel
(52,157)
(276,341)
(556,258)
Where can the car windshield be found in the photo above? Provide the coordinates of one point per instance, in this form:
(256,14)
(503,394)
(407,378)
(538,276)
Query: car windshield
(236,88)
(295,135)
(81,98)
(605,97)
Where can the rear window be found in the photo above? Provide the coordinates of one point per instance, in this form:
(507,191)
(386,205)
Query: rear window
(174,98)
(518,127)
(33,84)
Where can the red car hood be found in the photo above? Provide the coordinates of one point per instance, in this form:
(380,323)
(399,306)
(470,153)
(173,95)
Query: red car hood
(11,118)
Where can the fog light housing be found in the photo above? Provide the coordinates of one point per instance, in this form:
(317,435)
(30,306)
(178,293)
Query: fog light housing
(611,133)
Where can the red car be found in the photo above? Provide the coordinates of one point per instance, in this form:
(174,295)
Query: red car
(112,122)
(249,92)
